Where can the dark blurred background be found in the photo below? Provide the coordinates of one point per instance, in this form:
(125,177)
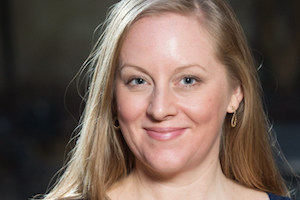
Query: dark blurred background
(43,43)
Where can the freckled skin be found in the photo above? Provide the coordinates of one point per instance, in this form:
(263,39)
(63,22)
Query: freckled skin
(162,51)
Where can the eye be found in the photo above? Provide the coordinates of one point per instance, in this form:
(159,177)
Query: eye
(188,81)
(137,81)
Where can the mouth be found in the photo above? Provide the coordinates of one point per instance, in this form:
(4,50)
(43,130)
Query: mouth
(163,134)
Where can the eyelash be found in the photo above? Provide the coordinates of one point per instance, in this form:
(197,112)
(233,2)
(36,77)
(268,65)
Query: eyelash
(129,81)
(193,78)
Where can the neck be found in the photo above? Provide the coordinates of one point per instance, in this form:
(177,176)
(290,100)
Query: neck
(201,183)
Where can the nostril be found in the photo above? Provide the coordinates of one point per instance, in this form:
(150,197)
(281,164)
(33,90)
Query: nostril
(161,107)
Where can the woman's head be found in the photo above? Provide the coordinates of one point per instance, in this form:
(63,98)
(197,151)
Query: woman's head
(101,155)
(172,95)
(229,47)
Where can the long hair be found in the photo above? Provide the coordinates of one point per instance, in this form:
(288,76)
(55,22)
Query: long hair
(100,157)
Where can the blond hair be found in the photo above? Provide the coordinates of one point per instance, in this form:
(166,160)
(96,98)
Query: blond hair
(101,157)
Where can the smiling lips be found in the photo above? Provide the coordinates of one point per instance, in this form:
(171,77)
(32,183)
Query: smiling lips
(163,134)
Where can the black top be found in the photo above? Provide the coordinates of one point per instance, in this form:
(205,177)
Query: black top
(276,197)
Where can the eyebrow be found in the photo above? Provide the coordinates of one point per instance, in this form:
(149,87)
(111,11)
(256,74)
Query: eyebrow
(176,70)
(189,66)
(133,66)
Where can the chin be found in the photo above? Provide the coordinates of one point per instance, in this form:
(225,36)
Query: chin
(163,166)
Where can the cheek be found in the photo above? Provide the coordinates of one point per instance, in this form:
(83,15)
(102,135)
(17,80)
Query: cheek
(131,110)
(129,107)
(207,108)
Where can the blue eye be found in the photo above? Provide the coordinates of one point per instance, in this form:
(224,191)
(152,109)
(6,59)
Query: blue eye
(188,81)
(138,81)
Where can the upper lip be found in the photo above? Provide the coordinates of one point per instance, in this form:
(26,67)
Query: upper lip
(162,129)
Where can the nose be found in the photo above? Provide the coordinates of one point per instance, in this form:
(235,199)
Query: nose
(162,104)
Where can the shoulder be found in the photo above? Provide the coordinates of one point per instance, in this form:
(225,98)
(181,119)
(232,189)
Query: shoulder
(276,197)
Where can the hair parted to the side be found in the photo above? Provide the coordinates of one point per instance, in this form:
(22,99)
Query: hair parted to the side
(101,157)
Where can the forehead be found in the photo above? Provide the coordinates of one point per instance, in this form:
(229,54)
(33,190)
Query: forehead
(168,36)
(165,23)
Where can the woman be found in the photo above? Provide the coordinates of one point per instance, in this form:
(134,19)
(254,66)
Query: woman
(173,110)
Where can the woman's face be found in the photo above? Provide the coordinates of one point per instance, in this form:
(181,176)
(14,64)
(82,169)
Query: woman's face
(172,95)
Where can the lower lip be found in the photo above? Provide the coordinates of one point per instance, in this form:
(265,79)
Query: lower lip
(162,136)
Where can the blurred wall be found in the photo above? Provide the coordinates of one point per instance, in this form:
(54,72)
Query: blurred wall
(44,43)
(273,31)
(49,41)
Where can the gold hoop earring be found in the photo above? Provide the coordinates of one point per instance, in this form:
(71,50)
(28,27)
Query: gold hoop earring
(118,125)
(233,119)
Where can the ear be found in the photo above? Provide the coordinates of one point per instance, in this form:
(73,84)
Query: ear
(236,97)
